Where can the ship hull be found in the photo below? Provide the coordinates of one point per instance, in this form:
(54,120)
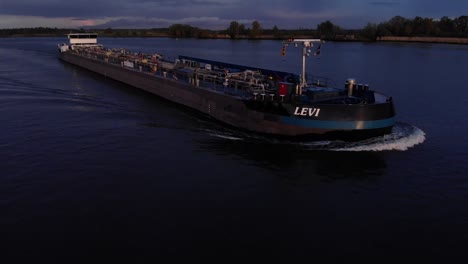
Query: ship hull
(350,122)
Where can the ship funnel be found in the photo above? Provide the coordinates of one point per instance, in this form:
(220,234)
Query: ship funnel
(350,84)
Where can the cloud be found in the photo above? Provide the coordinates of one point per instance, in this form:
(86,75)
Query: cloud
(383,3)
(215,14)
(9,21)
(300,14)
(141,22)
(125,13)
(215,23)
(109,8)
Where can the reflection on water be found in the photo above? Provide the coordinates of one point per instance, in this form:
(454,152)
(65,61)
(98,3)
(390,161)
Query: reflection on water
(135,173)
(296,161)
(308,159)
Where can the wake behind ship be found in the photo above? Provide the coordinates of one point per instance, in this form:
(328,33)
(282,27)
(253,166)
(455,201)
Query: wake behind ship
(248,98)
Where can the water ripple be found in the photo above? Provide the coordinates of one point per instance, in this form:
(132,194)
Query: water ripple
(403,137)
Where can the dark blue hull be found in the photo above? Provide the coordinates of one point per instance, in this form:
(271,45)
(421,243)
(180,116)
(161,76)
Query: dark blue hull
(269,114)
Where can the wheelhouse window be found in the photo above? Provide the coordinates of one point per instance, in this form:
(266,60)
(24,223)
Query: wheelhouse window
(83,36)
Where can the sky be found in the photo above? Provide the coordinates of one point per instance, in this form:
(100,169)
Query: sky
(217,14)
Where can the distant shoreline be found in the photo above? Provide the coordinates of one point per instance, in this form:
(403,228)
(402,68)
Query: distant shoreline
(424,40)
(442,40)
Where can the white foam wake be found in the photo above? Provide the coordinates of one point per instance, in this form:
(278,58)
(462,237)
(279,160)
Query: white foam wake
(402,138)
(226,136)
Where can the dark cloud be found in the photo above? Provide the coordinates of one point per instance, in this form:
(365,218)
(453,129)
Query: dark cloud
(134,23)
(384,3)
(109,8)
(142,13)
(213,13)
(53,9)
(202,22)
(79,19)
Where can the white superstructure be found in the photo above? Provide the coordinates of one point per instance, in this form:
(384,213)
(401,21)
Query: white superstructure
(82,38)
(79,39)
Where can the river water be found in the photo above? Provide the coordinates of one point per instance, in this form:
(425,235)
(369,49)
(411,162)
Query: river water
(93,168)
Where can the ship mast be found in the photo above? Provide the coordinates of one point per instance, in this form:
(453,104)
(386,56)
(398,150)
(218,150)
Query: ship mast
(307,44)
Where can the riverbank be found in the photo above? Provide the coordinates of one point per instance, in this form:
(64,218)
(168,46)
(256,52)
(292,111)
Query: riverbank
(424,40)
(341,38)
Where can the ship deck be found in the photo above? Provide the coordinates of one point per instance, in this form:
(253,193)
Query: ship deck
(243,82)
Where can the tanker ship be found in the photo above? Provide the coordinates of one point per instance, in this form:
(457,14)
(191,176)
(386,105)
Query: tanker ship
(265,101)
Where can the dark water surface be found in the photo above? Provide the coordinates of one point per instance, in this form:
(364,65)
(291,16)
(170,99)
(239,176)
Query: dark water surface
(93,168)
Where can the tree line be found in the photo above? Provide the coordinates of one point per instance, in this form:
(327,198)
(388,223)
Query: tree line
(38,31)
(396,26)
(418,27)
